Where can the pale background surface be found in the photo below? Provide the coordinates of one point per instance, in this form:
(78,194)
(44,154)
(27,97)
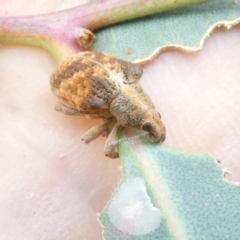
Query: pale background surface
(51,184)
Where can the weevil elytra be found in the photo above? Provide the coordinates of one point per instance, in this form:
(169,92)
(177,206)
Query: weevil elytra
(102,86)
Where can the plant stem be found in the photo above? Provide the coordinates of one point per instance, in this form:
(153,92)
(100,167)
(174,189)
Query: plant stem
(58,32)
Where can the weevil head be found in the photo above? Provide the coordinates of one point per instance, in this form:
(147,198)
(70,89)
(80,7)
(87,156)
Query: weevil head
(133,108)
(152,124)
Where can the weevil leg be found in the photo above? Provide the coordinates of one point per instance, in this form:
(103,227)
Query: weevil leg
(60,107)
(96,131)
(110,150)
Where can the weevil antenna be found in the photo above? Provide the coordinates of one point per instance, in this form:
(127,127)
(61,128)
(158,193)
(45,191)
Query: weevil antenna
(116,142)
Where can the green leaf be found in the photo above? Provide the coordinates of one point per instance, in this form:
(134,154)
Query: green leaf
(164,193)
(181,27)
(168,194)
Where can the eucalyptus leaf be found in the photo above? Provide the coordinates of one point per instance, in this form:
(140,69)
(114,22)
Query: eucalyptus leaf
(164,193)
(187,26)
(168,194)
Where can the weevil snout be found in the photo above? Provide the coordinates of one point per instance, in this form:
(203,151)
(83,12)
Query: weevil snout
(162,138)
(157,139)
(154,126)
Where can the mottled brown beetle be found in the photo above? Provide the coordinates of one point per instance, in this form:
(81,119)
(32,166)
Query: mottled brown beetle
(102,86)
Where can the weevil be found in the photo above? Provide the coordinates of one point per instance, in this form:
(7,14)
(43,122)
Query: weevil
(101,86)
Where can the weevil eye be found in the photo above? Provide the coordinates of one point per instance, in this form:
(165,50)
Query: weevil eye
(147,126)
(159,115)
